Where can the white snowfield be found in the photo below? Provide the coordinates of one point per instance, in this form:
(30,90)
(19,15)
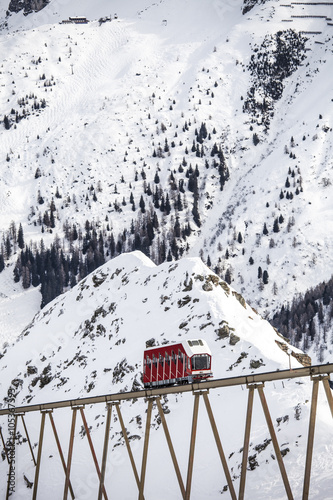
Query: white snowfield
(113,93)
(110,91)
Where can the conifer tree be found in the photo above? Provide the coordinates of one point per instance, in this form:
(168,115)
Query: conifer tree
(276,227)
(142,205)
(6,122)
(20,238)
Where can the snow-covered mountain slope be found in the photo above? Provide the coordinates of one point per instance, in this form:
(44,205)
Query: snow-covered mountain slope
(90,342)
(100,99)
(109,315)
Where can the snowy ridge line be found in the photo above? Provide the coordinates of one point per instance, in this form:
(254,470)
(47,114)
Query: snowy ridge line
(308,371)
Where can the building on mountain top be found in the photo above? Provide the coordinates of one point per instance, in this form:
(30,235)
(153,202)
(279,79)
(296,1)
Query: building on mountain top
(75,20)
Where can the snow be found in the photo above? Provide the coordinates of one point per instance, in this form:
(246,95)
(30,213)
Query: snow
(97,111)
(90,341)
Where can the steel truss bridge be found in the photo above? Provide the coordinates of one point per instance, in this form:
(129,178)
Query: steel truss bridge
(317,374)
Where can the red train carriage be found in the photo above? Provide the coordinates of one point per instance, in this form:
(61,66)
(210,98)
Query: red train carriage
(182,363)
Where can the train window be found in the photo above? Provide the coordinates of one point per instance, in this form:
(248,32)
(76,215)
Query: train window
(160,358)
(173,356)
(180,356)
(154,361)
(148,361)
(193,343)
(167,359)
(200,362)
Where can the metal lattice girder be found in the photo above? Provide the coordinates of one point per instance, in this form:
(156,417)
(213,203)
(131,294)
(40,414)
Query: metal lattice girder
(196,386)
(318,373)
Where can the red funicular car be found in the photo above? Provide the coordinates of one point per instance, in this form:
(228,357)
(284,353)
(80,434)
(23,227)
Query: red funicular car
(180,363)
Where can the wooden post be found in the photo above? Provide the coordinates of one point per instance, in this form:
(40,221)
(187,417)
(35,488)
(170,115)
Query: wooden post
(105,450)
(120,417)
(70,454)
(275,442)
(171,449)
(328,393)
(60,452)
(92,449)
(39,455)
(192,446)
(11,473)
(219,446)
(246,442)
(26,433)
(312,423)
(145,448)
(4,444)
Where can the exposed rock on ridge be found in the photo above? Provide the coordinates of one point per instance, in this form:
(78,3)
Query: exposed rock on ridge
(249,4)
(28,5)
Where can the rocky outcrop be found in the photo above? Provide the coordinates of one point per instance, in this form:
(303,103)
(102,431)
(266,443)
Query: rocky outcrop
(301,357)
(27,5)
(249,4)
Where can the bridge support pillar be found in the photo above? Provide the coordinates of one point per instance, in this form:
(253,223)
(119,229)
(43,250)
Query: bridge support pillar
(260,388)
(328,393)
(171,449)
(145,449)
(275,442)
(246,442)
(4,444)
(54,429)
(219,446)
(39,454)
(105,450)
(130,454)
(92,449)
(192,446)
(11,473)
(28,438)
(312,422)
(70,453)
